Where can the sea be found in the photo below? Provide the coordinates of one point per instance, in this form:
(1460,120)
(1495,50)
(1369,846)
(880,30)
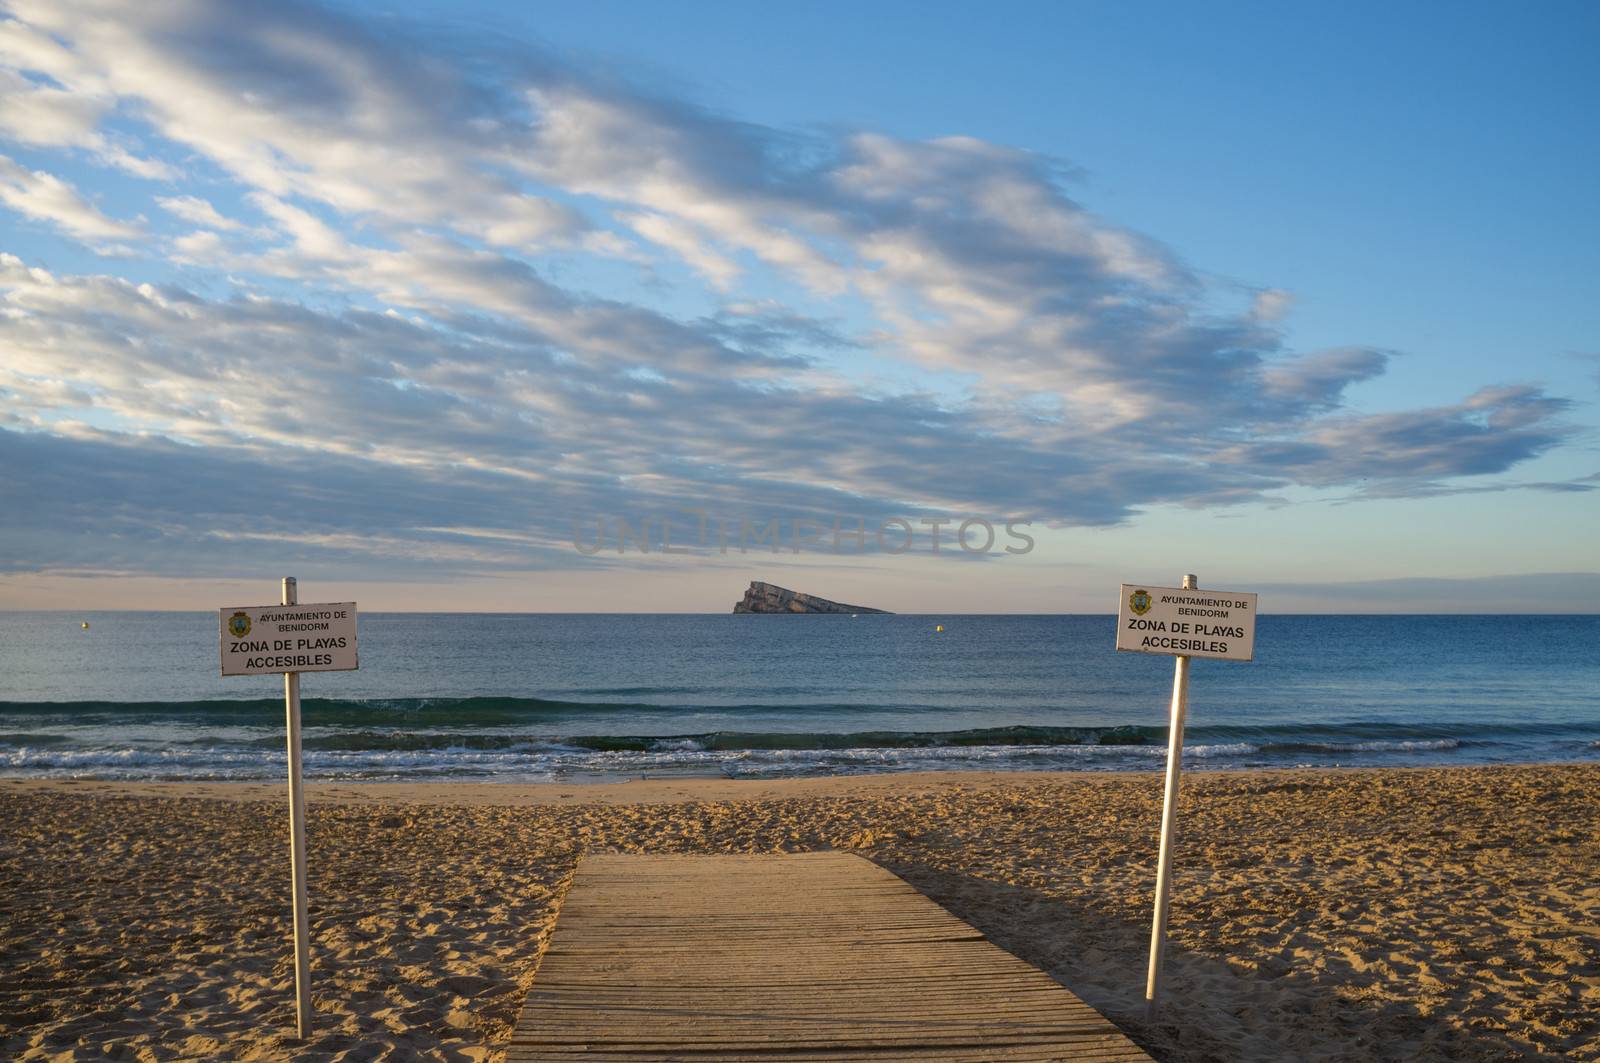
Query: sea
(545,697)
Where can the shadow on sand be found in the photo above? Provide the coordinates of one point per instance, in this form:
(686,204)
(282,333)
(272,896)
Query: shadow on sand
(1212,1010)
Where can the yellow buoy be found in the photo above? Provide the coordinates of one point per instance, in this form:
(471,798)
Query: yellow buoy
(938,627)
(86,625)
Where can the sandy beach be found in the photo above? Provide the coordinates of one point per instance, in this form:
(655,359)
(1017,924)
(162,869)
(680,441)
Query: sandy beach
(1329,915)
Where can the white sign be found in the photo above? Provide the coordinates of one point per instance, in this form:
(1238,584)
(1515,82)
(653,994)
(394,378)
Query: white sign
(262,639)
(1187,623)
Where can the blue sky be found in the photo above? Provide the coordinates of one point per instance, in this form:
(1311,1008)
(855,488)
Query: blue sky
(388,295)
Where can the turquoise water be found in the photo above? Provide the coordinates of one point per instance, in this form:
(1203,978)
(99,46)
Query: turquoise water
(540,696)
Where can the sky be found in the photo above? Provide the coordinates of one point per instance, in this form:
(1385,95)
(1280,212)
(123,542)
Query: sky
(615,307)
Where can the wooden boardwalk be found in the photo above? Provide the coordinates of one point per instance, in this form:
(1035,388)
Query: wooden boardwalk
(793,957)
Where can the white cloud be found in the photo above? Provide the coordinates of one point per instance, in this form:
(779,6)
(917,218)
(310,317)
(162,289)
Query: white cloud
(693,246)
(1048,360)
(1271,304)
(48,198)
(1318,380)
(199,211)
(312,237)
(657,403)
(43,115)
(523,222)
(295,101)
(201,247)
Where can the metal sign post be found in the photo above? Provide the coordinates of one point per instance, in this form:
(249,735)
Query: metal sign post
(297,841)
(292,638)
(1169,823)
(1184,623)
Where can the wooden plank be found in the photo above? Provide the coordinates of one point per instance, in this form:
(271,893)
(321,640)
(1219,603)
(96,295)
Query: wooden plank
(795,957)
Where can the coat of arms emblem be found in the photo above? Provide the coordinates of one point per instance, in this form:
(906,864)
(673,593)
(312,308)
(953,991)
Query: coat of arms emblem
(1139,602)
(239,624)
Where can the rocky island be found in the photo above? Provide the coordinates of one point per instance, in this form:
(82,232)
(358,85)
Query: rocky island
(770,598)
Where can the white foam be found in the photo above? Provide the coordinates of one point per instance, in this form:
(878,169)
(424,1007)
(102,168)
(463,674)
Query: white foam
(677,745)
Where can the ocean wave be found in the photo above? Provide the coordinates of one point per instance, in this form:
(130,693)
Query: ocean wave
(117,761)
(346,712)
(537,760)
(423,741)
(27,738)
(552,760)
(463,712)
(817,740)
(681,745)
(522,739)
(1225,749)
(389,720)
(1412,745)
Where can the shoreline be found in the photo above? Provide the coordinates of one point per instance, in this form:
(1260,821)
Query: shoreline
(678,789)
(1343,914)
